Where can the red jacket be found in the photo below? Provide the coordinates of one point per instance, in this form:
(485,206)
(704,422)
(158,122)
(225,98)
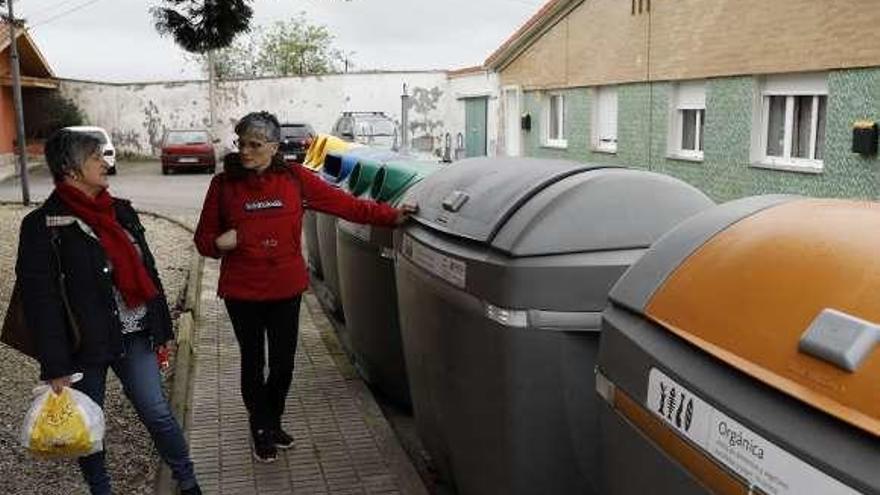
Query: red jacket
(266,211)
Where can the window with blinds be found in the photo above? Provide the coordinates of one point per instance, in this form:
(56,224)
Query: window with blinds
(605,119)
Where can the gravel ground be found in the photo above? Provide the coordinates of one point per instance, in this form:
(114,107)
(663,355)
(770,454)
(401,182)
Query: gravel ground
(132,460)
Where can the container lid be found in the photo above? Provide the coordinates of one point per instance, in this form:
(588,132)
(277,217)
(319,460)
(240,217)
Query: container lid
(336,169)
(396,176)
(472,198)
(321,147)
(362,175)
(599,210)
(788,293)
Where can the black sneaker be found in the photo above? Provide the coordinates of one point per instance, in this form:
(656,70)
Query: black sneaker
(264,447)
(192,491)
(282,439)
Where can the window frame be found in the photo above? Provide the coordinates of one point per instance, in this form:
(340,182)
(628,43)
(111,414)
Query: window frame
(596,144)
(513,138)
(790,87)
(694,101)
(561,141)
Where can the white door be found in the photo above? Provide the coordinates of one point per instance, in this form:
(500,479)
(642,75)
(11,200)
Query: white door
(512,131)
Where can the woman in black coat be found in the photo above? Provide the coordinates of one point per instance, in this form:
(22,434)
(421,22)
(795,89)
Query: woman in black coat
(115,314)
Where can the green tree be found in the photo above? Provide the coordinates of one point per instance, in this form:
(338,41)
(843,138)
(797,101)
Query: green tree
(48,112)
(286,48)
(297,47)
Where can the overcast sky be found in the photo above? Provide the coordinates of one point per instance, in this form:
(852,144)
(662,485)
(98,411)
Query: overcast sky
(114,40)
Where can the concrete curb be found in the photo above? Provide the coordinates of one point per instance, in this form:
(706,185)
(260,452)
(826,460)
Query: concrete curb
(9,174)
(184,363)
(167,218)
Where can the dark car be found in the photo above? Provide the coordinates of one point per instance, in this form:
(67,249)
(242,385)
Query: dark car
(296,137)
(188,150)
(369,128)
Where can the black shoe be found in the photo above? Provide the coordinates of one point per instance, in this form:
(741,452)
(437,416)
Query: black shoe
(192,491)
(264,447)
(282,439)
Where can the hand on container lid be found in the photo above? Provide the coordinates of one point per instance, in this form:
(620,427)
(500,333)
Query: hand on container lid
(405,211)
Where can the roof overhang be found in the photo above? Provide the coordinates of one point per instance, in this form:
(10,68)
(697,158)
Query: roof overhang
(31,82)
(550,14)
(31,60)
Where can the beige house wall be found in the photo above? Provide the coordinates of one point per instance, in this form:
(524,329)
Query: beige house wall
(603,42)
(699,38)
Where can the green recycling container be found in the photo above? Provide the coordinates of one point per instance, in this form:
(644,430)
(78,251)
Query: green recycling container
(395,177)
(362,176)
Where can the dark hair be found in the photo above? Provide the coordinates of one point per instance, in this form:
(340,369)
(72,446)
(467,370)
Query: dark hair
(261,123)
(68,150)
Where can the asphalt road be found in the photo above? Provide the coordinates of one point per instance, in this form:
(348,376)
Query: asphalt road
(179,194)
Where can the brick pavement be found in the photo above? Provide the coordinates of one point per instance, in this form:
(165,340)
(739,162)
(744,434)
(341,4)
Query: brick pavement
(343,443)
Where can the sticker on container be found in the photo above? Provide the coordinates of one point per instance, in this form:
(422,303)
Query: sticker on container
(449,269)
(764,465)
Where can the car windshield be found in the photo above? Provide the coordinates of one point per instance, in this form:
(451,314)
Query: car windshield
(374,126)
(294,131)
(98,135)
(186,137)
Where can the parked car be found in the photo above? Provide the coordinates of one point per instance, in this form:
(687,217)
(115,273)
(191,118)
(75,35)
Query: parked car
(296,137)
(370,128)
(107,148)
(191,149)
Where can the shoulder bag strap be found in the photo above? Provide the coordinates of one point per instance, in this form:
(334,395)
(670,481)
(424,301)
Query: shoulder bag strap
(75,334)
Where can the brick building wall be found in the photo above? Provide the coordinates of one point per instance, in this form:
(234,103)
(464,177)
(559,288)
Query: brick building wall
(606,42)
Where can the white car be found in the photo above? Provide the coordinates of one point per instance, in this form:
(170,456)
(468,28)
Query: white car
(108,150)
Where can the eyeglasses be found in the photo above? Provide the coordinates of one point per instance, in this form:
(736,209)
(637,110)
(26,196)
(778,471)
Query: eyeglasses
(254,145)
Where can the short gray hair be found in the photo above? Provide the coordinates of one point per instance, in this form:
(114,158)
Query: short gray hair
(68,150)
(261,123)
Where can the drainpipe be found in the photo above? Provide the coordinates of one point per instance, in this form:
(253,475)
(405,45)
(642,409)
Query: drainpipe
(212,80)
(19,112)
(404,120)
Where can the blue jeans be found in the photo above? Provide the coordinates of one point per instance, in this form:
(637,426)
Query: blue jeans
(138,372)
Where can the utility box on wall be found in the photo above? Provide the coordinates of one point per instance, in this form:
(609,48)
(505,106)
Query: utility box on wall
(864,137)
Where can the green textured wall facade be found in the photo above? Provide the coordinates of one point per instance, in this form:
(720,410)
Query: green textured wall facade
(725,172)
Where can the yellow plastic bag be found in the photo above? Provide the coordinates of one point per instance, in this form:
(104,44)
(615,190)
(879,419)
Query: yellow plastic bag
(68,424)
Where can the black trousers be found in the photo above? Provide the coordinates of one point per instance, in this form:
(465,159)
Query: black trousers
(253,322)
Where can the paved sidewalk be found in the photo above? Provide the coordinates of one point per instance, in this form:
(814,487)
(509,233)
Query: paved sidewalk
(343,443)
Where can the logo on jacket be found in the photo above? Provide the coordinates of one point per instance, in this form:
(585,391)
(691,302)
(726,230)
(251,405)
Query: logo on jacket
(263,205)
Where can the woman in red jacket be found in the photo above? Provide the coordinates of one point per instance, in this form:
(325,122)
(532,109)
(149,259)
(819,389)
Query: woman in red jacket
(252,220)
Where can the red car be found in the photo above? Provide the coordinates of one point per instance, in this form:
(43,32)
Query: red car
(188,150)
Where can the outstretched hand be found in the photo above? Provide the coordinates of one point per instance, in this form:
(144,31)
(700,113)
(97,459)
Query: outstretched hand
(404,212)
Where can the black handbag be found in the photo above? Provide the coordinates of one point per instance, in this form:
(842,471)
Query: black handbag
(15,332)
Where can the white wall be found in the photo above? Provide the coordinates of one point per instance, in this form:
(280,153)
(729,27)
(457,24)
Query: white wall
(138,114)
(476,84)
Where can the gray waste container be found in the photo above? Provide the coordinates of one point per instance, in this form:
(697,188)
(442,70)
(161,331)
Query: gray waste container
(335,174)
(501,281)
(740,353)
(366,275)
(310,235)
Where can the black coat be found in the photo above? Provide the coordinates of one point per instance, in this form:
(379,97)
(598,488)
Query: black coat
(89,288)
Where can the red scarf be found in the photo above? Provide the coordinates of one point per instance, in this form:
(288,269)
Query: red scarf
(129,274)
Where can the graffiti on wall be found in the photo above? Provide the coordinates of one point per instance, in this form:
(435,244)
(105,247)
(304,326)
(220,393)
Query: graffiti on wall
(422,102)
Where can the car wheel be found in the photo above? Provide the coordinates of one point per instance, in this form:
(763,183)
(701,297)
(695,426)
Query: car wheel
(166,170)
